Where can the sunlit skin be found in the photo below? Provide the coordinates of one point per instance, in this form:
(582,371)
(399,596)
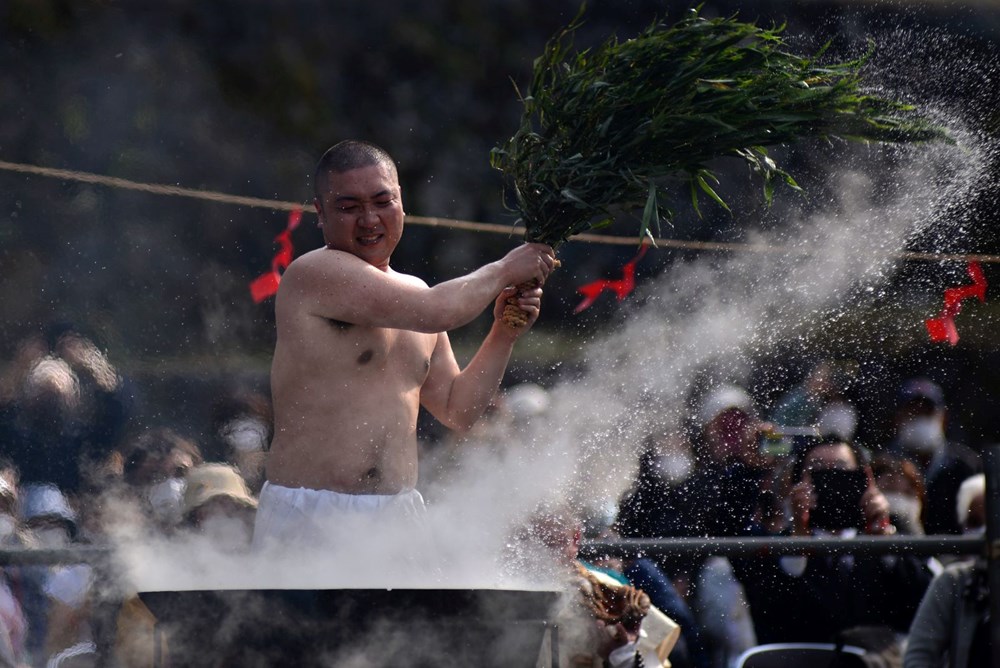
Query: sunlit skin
(361,347)
(803,496)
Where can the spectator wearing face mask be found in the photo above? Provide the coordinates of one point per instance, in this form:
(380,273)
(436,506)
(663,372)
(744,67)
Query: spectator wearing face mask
(664,463)
(156,464)
(720,496)
(920,421)
(710,488)
(951,627)
(240,434)
(815,598)
(52,522)
(903,487)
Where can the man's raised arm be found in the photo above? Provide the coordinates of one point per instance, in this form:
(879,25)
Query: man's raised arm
(338,285)
(459,398)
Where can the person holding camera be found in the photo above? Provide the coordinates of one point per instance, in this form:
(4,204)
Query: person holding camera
(798,598)
(834,494)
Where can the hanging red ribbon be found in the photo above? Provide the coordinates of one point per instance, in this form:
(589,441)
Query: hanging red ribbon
(942,328)
(266,285)
(621,287)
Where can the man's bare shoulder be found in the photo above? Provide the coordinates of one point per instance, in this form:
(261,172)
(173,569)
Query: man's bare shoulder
(322,260)
(320,271)
(336,284)
(312,274)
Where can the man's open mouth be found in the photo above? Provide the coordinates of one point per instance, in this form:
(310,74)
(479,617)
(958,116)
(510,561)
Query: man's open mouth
(369,239)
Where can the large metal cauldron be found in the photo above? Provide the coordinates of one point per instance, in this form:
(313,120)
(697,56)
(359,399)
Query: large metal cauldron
(352,627)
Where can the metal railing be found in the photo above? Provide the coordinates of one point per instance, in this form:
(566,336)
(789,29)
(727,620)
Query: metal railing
(780,545)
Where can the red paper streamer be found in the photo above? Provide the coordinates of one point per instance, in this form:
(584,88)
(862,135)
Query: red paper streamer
(942,328)
(621,287)
(266,285)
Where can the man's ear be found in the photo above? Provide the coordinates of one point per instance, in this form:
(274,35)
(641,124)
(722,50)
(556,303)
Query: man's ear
(319,212)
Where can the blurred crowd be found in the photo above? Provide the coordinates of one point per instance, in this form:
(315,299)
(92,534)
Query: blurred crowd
(730,469)
(799,471)
(76,469)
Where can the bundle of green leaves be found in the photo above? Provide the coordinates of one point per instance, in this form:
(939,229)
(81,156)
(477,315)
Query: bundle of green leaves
(613,128)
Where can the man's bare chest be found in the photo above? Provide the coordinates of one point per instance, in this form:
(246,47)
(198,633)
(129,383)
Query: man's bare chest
(372,350)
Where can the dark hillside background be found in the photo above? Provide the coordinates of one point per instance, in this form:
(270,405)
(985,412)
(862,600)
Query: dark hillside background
(242,97)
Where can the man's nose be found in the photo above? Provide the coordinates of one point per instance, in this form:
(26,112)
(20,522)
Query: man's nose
(369,215)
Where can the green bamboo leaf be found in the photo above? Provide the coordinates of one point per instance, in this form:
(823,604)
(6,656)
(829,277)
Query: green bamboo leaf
(650,212)
(694,197)
(703,184)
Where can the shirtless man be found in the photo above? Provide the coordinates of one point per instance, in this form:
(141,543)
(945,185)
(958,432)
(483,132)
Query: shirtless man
(361,347)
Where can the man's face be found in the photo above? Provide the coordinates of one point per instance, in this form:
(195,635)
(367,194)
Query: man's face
(361,213)
(730,434)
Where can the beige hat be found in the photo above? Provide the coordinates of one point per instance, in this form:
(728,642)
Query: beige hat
(211,480)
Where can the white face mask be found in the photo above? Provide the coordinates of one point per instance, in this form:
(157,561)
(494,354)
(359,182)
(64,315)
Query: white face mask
(923,434)
(245,435)
(8,525)
(166,499)
(674,468)
(905,507)
(838,419)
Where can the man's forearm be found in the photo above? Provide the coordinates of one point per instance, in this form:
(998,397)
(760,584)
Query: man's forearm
(457,302)
(474,388)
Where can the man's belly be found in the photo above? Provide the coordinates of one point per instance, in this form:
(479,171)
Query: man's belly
(338,460)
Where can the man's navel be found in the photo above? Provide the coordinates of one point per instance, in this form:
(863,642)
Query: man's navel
(340,325)
(366,357)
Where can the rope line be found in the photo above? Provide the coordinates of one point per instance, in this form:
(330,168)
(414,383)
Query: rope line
(451,223)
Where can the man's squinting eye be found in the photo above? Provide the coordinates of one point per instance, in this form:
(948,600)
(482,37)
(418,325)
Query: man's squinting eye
(355,208)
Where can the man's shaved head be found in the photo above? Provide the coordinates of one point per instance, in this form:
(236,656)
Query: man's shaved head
(345,156)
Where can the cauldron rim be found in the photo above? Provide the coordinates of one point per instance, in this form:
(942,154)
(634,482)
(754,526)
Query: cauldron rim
(498,603)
